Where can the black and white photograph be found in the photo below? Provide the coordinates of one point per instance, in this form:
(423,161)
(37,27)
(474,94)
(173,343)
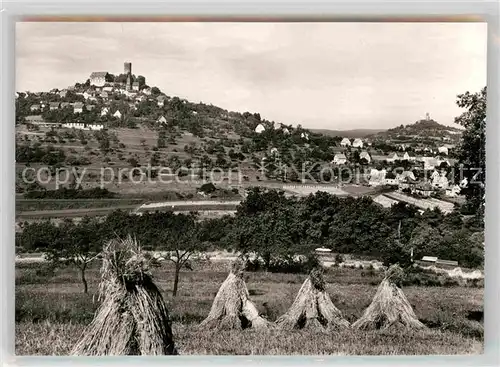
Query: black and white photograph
(249,188)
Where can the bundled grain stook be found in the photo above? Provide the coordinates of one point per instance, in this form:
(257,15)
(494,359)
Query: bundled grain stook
(132,318)
(389,307)
(232,308)
(313,308)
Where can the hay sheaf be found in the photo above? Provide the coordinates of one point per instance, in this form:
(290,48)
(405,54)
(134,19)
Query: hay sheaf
(390,307)
(132,318)
(313,308)
(232,308)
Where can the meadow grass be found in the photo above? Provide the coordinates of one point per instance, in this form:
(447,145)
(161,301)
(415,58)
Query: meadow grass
(52,311)
(48,338)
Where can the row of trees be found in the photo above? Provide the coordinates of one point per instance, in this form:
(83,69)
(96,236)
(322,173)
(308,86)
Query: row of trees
(275,229)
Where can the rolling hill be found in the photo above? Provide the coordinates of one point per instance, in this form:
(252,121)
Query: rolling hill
(422,130)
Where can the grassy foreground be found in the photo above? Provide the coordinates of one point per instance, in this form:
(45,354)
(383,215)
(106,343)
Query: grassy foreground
(52,312)
(57,339)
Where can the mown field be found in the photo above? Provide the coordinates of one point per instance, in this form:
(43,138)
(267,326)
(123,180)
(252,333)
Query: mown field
(52,312)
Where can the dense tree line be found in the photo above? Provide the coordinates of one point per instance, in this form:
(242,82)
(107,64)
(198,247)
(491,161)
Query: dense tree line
(277,228)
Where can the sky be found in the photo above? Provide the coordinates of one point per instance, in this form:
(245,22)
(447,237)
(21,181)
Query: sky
(320,75)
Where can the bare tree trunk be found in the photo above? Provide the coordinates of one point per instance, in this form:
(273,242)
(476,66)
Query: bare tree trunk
(84,281)
(176,279)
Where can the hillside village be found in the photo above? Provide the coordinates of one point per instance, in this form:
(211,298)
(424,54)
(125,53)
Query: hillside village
(102,113)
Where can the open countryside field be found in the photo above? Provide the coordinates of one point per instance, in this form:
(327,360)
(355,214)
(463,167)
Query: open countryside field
(52,312)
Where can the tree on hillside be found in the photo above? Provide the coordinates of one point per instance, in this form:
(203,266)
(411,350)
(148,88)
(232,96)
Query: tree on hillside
(471,150)
(155,91)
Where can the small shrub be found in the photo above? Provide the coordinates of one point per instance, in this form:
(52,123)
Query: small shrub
(339,259)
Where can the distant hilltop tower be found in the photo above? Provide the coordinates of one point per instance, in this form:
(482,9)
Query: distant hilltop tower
(127,68)
(427,116)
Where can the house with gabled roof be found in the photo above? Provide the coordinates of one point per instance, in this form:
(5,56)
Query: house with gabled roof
(409,156)
(54,105)
(345,142)
(357,143)
(260,128)
(393,157)
(406,183)
(104,111)
(339,158)
(405,174)
(161,120)
(366,156)
(117,114)
(35,107)
(440,181)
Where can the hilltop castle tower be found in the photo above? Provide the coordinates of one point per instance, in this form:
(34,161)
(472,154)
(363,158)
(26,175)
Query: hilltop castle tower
(127,68)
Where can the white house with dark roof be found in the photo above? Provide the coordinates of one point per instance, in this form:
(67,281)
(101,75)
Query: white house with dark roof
(339,159)
(83,126)
(409,156)
(161,120)
(260,128)
(345,142)
(440,181)
(35,107)
(365,155)
(357,143)
(393,157)
(400,177)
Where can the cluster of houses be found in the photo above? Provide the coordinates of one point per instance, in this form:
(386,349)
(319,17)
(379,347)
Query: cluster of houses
(406,181)
(356,143)
(99,93)
(260,128)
